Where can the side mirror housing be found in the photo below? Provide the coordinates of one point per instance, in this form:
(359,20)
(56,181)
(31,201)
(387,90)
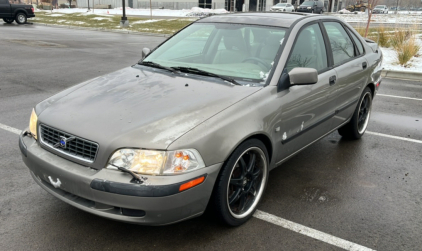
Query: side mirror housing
(303,76)
(145,52)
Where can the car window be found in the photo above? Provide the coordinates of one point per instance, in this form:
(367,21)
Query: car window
(309,50)
(341,44)
(4,1)
(357,42)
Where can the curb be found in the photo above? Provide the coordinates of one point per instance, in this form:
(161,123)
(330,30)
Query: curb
(105,30)
(405,75)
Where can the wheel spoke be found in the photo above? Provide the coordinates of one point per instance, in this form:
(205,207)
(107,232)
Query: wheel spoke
(243,166)
(251,163)
(235,196)
(242,202)
(238,182)
(256,174)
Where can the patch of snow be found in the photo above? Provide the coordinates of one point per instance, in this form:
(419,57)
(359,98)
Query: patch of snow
(101,18)
(146,21)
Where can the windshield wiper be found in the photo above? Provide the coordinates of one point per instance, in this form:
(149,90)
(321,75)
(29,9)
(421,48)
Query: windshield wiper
(152,64)
(205,73)
(136,177)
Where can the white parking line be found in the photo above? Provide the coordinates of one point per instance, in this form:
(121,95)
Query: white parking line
(310,232)
(392,96)
(394,137)
(10,129)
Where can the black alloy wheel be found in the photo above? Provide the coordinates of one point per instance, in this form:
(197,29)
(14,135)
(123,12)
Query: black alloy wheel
(357,125)
(241,183)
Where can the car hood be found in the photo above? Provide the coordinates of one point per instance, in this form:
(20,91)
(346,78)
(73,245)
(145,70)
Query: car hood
(139,107)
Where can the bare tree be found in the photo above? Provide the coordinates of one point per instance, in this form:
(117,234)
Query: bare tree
(371,6)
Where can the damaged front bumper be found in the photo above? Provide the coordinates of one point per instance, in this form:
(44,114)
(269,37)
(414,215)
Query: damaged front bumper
(113,194)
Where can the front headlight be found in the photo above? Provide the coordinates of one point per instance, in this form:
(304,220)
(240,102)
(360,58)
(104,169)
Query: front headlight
(309,8)
(33,124)
(156,162)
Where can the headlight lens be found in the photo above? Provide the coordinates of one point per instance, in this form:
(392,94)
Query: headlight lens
(156,162)
(33,124)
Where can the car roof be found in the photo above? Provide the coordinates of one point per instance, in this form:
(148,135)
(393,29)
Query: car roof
(258,18)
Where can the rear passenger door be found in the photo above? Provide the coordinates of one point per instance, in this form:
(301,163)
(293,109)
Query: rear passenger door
(306,113)
(351,70)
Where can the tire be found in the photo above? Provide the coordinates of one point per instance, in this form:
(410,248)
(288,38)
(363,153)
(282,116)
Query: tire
(320,12)
(8,20)
(243,191)
(20,18)
(360,119)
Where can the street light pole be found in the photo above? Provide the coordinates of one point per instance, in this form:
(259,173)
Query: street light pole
(124,22)
(88,5)
(397,7)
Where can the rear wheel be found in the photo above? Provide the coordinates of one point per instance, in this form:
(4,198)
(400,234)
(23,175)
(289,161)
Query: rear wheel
(20,18)
(8,20)
(320,12)
(357,125)
(241,183)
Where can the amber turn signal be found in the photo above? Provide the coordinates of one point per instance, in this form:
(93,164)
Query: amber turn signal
(191,183)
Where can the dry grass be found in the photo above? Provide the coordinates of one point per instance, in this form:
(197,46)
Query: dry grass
(111,22)
(404,43)
(408,50)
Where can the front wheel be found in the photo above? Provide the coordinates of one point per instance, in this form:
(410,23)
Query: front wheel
(20,18)
(241,183)
(360,119)
(8,20)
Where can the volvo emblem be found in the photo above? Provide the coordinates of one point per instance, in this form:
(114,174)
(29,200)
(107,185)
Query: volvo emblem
(63,141)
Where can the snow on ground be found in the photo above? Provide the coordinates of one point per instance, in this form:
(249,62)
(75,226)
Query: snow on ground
(146,21)
(195,11)
(400,18)
(390,61)
(100,18)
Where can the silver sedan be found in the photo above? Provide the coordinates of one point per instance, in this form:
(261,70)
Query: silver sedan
(201,119)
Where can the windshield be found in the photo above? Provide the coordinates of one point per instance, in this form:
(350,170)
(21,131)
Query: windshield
(308,3)
(244,52)
(379,7)
(280,4)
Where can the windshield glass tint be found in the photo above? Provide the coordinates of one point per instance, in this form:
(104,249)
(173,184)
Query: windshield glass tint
(379,7)
(308,3)
(281,4)
(240,51)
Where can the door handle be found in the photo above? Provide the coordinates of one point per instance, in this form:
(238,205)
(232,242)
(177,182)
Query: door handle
(364,65)
(333,80)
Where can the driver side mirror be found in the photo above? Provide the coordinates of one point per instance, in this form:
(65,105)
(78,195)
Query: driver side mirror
(303,76)
(145,52)
(297,76)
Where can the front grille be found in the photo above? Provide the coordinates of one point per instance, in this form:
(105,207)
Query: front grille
(78,148)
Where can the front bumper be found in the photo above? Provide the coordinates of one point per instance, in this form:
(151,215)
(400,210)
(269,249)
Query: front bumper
(111,194)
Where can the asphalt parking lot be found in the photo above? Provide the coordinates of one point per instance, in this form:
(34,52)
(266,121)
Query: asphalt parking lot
(358,195)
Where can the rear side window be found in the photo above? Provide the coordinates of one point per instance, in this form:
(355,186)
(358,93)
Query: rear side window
(309,50)
(341,44)
(4,1)
(357,42)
